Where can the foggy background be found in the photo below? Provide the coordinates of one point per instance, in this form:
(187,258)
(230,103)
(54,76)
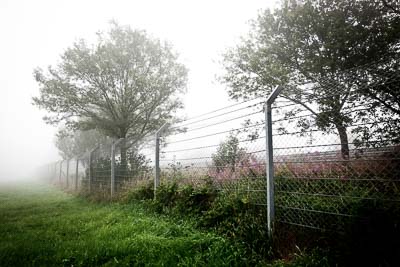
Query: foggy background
(35,33)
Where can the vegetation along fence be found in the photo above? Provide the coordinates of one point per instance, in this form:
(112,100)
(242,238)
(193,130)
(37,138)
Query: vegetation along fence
(315,154)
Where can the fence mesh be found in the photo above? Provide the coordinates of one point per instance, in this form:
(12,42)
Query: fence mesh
(335,151)
(335,146)
(101,169)
(220,147)
(134,164)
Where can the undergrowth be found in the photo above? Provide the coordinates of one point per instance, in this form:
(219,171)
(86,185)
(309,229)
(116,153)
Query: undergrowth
(234,216)
(40,226)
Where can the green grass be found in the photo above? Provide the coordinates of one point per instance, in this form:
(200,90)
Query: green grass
(41,226)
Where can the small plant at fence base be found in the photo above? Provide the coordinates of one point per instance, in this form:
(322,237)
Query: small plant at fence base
(230,214)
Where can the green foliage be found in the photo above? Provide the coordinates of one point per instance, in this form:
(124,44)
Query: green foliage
(325,45)
(230,215)
(187,199)
(228,154)
(233,216)
(126,85)
(40,226)
(195,200)
(132,168)
(137,162)
(139,192)
(74,144)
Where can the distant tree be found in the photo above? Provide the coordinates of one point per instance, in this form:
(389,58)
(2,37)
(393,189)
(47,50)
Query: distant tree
(72,145)
(228,154)
(127,85)
(316,50)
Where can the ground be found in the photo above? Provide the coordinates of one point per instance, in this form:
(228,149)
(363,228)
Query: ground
(43,226)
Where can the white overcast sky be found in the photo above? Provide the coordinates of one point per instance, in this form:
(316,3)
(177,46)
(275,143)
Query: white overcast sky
(35,33)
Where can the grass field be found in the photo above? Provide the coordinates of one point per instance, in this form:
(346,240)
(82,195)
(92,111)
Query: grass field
(42,226)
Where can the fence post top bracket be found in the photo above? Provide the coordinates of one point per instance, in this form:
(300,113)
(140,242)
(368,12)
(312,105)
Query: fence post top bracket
(161,129)
(274,94)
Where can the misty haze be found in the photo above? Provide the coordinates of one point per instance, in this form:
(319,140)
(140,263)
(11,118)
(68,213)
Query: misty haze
(212,133)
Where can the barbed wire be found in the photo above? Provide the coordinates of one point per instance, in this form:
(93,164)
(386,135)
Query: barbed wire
(216,116)
(245,153)
(220,109)
(215,145)
(335,144)
(317,178)
(331,129)
(389,80)
(212,134)
(218,123)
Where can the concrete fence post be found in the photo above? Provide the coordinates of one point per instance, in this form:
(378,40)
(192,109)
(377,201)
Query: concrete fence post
(270,159)
(157,159)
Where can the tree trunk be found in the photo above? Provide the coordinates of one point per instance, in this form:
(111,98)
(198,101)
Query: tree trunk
(344,141)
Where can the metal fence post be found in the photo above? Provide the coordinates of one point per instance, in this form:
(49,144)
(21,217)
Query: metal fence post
(270,159)
(67,175)
(90,169)
(157,160)
(113,166)
(76,174)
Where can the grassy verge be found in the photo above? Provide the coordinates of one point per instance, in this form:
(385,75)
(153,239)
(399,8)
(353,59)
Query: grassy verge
(41,226)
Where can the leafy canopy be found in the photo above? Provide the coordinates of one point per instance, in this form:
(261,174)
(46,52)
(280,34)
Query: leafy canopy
(316,50)
(125,86)
(75,144)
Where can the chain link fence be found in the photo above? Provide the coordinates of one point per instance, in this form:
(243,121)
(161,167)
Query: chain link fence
(219,147)
(335,152)
(107,170)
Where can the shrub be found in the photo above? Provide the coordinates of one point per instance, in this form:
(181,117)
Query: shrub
(144,191)
(233,216)
(195,200)
(185,198)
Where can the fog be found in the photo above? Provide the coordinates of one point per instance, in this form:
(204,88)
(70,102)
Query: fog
(35,33)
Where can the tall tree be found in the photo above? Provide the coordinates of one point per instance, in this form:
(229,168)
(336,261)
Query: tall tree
(229,154)
(314,48)
(126,85)
(75,144)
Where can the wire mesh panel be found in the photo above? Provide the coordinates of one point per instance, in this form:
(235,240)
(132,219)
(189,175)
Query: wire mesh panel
(221,147)
(71,175)
(83,173)
(335,145)
(133,164)
(100,180)
(335,152)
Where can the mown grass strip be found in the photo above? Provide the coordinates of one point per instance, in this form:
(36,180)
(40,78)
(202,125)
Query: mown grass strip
(41,226)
